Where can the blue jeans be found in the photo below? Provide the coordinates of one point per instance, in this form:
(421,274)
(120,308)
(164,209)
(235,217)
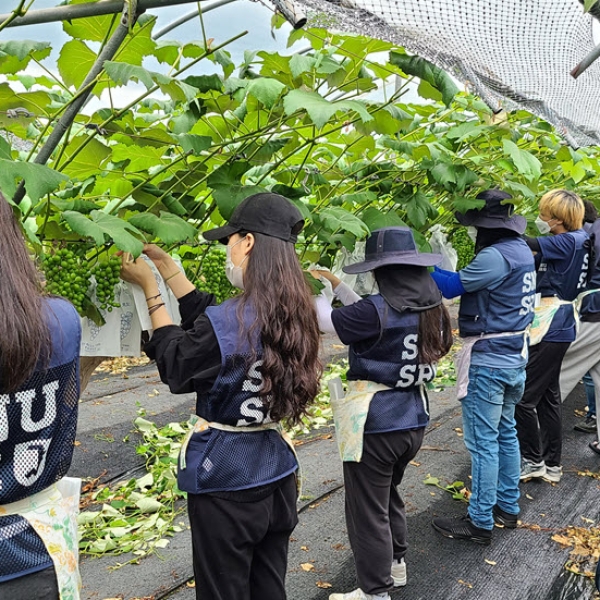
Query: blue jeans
(490,436)
(590,394)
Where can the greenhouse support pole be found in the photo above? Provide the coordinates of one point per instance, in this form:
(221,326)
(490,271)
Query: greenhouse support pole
(67,118)
(188,17)
(108,7)
(88,9)
(586,62)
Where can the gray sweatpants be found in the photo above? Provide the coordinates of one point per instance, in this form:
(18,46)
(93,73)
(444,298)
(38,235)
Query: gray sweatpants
(582,356)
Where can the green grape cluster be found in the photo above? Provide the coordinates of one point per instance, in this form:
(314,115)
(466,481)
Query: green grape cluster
(464,246)
(213,278)
(107,276)
(67,275)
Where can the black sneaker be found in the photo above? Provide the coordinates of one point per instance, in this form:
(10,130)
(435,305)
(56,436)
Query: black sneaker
(587,425)
(504,519)
(462,529)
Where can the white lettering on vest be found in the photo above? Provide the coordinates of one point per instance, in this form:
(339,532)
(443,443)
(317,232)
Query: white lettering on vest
(254,382)
(253,408)
(528,302)
(27,397)
(410,344)
(4,401)
(415,375)
(30,460)
(584,269)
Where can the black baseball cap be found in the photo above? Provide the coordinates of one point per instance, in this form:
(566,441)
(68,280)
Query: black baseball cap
(266,213)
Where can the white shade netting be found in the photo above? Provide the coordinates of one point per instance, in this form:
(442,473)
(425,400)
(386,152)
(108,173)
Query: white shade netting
(512,53)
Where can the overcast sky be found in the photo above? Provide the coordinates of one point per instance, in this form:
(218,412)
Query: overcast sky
(221,24)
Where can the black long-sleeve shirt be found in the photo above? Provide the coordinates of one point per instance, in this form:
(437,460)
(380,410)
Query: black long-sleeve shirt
(188,356)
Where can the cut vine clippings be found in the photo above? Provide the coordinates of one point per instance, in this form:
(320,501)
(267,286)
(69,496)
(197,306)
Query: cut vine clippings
(139,515)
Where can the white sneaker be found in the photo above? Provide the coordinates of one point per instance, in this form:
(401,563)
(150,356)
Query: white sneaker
(358,594)
(553,474)
(399,573)
(531,470)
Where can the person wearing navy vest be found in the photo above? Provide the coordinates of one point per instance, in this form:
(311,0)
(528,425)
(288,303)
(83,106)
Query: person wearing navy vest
(562,274)
(582,359)
(253,363)
(39,394)
(395,339)
(497,292)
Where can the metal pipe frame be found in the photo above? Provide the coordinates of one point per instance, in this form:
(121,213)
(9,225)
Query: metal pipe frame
(107,7)
(79,11)
(68,117)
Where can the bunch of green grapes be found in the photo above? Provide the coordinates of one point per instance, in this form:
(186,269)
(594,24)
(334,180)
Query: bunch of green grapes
(464,246)
(107,276)
(67,275)
(213,278)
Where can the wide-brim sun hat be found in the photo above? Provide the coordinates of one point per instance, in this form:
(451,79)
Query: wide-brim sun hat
(392,246)
(266,213)
(496,214)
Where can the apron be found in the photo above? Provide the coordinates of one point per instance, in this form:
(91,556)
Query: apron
(200,424)
(545,310)
(350,414)
(53,515)
(462,359)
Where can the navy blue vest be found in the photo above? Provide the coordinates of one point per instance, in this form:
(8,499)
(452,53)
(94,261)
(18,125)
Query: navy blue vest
(221,460)
(391,358)
(590,305)
(37,431)
(506,306)
(566,286)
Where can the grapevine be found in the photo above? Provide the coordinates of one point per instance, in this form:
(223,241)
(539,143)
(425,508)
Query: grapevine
(67,275)
(464,246)
(213,278)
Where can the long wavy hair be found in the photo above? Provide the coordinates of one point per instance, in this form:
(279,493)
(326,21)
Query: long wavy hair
(24,334)
(435,334)
(275,287)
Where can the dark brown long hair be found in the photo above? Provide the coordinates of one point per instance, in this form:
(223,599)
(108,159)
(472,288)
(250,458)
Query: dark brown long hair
(275,287)
(24,335)
(435,334)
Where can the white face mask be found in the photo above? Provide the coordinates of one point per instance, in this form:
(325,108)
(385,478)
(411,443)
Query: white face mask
(233,273)
(472,232)
(543,226)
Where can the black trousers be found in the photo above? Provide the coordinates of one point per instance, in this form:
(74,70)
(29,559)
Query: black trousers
(539,414)
(41,585)
(240,548)
(375,514)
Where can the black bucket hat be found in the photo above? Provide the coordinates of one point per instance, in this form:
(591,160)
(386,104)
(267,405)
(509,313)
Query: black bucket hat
(266,213)
(495,214)
(392,246)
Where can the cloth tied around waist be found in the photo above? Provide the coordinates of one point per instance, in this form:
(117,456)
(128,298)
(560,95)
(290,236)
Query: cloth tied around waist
(545,309)
(462,359)
(52,513)
(199,424)
(350,411)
